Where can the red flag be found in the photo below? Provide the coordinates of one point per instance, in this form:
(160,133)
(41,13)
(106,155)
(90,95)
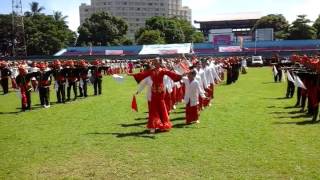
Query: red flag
(134,105)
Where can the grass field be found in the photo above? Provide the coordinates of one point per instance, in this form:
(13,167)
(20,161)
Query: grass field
(250,132)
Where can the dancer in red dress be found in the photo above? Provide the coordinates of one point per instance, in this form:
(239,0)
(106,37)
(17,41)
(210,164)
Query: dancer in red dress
(158,114)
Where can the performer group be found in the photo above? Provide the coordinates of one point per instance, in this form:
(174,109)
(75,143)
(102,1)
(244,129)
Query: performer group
(169,81)
(69,78)
(302,72)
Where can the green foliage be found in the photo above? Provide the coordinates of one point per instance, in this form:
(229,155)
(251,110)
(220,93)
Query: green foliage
(276,21)
(150,37)
(34,9)
(46,36)
(102,29)
(248,133)
(300,29)
(316,25)
(57,15)
(5,32)
(197,37)
(172,30)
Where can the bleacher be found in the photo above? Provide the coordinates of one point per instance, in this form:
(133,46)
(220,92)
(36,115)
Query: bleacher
(201,49)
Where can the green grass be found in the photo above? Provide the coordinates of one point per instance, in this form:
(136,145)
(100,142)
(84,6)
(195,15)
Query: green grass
(247,134)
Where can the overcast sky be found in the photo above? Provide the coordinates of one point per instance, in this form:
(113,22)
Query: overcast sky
(201,9)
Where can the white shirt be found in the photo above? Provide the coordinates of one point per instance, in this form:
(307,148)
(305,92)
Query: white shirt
(203,82)
(193,91)
(208,75)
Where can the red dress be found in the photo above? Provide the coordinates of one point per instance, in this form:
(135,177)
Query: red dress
(158,113)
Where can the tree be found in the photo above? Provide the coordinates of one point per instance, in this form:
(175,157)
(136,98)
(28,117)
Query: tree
(5,34)
(276,21)
(102,29)
(300,29)
(150,37)
(172,30)
(57,15)
(168,27)
(45,36)
(197,37)
(34,9)
(316,25)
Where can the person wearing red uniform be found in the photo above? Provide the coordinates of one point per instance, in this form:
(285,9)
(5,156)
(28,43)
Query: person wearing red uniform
(23,83)
(158,114)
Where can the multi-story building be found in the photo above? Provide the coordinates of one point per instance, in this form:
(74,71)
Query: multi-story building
(135,12)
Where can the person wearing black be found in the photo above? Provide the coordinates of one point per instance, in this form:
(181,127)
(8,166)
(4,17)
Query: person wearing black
(96,71)
(278,76)
(60,82)
(5,74)
(290,87)
(228,66)
(44,80)
(83,76)
(23,80)
(72,78)
(235,70)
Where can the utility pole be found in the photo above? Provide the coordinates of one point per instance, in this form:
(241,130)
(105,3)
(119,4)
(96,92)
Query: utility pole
(19,48)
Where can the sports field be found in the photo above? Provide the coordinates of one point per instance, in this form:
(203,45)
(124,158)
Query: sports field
(250,132)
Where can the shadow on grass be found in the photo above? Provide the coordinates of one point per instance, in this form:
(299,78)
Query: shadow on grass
(142,134)
(278,98)
(278,112)
(307,122)
(295,112)
(14,112)
(271,107)
(291,107)
(268,82)
(301,116)
(138,119)
(180,125)
(178,119)
(132,125)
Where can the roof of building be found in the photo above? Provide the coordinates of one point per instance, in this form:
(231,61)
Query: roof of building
(225,24)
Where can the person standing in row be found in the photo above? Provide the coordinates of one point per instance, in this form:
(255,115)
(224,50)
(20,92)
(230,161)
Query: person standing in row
(96,71)
(83,74)
(59,74)
(43,77)
(72,79)
(192,94)
(5,74)
(23,83)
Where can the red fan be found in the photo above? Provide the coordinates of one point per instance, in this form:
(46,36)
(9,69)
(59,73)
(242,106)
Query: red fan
(134,105)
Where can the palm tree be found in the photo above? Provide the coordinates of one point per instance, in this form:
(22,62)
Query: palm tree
(57,15)
(35,9)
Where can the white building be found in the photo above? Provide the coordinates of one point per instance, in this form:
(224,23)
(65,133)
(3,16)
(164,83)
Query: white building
(135,12)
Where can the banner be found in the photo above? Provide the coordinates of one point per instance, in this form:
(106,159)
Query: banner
(114,52)
(224,39)
(162,49)
(230,49)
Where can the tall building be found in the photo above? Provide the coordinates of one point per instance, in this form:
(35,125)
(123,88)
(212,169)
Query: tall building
(135,12)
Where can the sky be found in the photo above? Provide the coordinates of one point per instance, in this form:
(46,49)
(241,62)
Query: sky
(201,9)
